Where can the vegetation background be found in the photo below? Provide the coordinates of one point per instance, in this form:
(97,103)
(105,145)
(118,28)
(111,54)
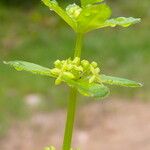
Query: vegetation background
(29,31)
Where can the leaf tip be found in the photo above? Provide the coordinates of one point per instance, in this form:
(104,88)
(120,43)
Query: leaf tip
(138,20)
(140,84)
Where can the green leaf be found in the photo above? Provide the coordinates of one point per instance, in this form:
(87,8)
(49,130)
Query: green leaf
(89,89)
(92,16)
(86,2)
(30,67)
(119,81)
(53,5)
(121,21)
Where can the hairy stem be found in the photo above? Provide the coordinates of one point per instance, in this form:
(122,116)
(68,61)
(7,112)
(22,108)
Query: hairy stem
(72,102)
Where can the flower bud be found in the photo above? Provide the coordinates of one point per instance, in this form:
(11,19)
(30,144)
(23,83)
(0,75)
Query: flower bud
(97,70)
(78,68)
(68,75)
(65,67)
(57,63)
(92,69)
(92,79)
(69,67)
(94,64)
(55,71)
(63,61)
(85,63)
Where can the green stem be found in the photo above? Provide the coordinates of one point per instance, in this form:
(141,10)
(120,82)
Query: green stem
(72,102)
(78,45)
(70,120)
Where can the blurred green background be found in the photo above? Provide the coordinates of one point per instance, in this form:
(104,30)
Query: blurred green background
(30,32)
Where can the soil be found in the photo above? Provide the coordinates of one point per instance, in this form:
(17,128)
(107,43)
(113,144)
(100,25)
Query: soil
(109,125)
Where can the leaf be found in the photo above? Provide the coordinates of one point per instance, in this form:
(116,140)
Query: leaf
(93,90)
(91,17)
(89,89)
(121,21)
(53,5)
(119,81)
(30,67)
(86,2)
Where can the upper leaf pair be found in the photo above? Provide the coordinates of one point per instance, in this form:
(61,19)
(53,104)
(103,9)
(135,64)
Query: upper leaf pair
(90,16)
(95,89)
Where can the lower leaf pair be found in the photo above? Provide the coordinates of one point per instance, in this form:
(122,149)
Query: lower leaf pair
(94,89)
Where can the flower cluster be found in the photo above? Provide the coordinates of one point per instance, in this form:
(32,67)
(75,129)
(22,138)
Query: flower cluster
(76,69)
